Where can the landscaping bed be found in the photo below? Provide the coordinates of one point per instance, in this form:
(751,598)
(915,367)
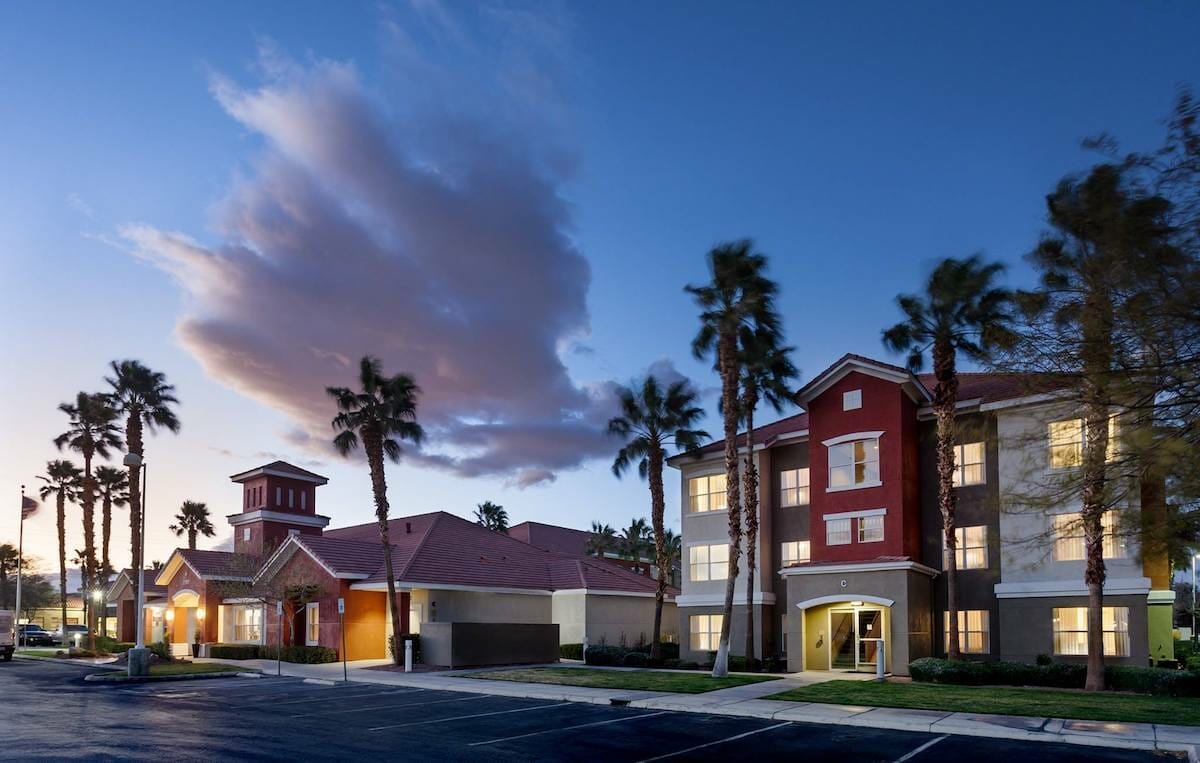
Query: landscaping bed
(633,680)
(1055,703)
(169,671)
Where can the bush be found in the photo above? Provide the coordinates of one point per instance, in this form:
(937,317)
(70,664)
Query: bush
(1193,662)
(1044,659)
(1185,650)
(1175,683)
(570,651)
(238,651)
(635,660)
(416,646)
(112,646)
(604,655)
(737,664)
(307,655)
(667,650)
(161,649)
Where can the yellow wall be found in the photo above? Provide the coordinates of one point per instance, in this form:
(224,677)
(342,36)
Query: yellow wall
(816,635)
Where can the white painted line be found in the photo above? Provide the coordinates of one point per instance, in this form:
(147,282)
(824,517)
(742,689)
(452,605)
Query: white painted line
(465,717)
(321,681)
(569,728)
(326,698)
(921,749)
(719,741)
(388,707)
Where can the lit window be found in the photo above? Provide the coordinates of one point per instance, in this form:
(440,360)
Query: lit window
(837,532)
(1070,631)
(968,464)
(794,487)
(1069,545)
(795,552)
(1066,442)
(245,533)
(972,631)
(970,552)
(706,493)
(705,631)
(312,624)
(870,529)
(853,464)
(708,562)
(247,623)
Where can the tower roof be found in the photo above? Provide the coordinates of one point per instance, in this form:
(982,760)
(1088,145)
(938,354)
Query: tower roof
(280,469)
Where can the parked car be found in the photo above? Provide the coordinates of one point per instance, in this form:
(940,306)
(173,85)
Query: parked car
(31,634)
(69,639)
(8,620)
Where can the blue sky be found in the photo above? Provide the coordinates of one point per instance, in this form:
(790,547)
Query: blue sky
(855,143)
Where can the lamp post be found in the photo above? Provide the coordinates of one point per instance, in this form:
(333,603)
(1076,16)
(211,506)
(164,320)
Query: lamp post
(138,657)
(97,596)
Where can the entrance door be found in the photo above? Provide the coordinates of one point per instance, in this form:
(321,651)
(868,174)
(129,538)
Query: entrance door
(854,636)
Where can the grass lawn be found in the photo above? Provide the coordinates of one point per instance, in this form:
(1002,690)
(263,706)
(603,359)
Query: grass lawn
(1055,703)
(636,680)
(38,652)
(184,668)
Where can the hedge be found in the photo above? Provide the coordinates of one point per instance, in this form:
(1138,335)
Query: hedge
(299,654)
(1174,683)
(235,651)
(570,651)
(112,646)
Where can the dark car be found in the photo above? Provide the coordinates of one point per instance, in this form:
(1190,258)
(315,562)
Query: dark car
(29,634)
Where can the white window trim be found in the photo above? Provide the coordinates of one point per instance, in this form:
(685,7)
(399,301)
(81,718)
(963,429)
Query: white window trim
(959,464)
(859,535)
(278,496)
(853,514)
(851,438)
(313,606)
(852,400)
(708,564)
(849,533)
(687,503)
(807,488)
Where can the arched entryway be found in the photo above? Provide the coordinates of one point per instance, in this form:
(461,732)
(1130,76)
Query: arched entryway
(184,620)
(845,632)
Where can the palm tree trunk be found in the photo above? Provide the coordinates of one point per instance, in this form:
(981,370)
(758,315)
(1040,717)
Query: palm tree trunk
(750,492)
(373,445)
(945,398)
(657,512)
(106,533)
(728,367)
(133,441)
(89,542)
(62,558)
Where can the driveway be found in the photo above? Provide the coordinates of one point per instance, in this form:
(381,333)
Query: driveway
(49,711)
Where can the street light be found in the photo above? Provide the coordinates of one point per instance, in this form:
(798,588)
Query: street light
(138,661)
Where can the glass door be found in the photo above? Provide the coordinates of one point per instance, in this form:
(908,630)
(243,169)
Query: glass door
(869,634)
(841,639)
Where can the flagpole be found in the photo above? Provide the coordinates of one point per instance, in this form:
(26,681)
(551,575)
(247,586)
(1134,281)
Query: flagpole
(20,559)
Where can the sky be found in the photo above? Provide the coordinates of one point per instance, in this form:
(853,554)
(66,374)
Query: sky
(505,201)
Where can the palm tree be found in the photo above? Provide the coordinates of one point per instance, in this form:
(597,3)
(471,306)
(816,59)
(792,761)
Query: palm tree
(673,544)
(633,541)
(113,485)
(382,414)
(92,433)
(80,560)
(603,540)
(62,482)
(193,520)
(767,374)
(492,516)
(739,297)
(961,311)
(651,422)
(145,399)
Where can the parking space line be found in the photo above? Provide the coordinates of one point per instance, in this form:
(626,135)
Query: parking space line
(569,728)
(389,707)
(921,749)
(719,741)
(465,717)
(325,698)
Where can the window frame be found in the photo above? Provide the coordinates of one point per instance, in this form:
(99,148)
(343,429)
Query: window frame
(312,619)
(711,632)
(836,444)
(1111,451)
(862,528)
(783,552)
(708,563)
(964,631)
(691,497)
(960,464)
(257,624)
(1079,633)
(961,548)
(1114,546)
(802,487)
(849,531)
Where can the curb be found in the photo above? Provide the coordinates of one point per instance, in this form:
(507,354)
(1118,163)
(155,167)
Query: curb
(64,660)
(121,678)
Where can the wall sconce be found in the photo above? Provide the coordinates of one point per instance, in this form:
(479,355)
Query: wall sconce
(170,614)
(200,614)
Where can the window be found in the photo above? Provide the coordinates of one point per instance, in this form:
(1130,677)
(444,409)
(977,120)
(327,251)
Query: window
(793,485)
(968,464)
(970,548)
(837,532)
(972,631)
(854,464)
(705,631)
(291,497)
(278,496)
(852,400)
(1069,543)
(870,529)
(1066,442)
(312,624)
(246,534)
(706,493)
(1070,631)
(247,498)
(709,562)
(247,623)
(795,552)
(303,496)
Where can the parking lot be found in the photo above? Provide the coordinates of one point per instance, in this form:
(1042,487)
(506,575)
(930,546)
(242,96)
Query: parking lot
(51,712)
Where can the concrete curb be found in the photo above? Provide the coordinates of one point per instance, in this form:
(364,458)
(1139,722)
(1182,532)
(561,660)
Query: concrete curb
(121,678)
(65,660)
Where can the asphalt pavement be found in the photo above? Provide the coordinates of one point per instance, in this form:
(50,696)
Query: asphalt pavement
(47,711)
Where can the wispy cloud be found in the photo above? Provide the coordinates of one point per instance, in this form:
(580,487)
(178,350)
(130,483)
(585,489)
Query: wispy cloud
(76,202)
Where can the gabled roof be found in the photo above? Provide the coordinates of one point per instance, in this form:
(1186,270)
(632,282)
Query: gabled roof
(346,559)
(208,565)
(764,436)
(997,387)
(851,362)
(126,577)
(562,540)
(280,469)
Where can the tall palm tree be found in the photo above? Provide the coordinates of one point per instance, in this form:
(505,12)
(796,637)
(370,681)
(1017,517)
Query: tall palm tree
(62,482)
(492,516)
(91,432)
(603,540)
(739,297)
(193,520)
(379,416)
(767,374)
(633,541)
(146,401)
(673,544)
(962,310)
(652,421)
(113,485)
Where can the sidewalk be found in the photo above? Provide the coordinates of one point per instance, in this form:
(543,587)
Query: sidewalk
(747,701)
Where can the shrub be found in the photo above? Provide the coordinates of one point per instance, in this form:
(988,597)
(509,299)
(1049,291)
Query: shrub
(416,646)
(1184,650)
(1172,683)
(308,655)
(635,660)
(161,649)
(1131,678)
(737,663)
(604,655)
(1044,659)
(238,651)
(1193,662)
(112,646)
(668,650)
(570,651)
(689,665)
(774,665)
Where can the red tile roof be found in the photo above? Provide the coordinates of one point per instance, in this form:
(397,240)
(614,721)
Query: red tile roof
(280,467)
(562,540)
(763,435)
(345,557)
(210,563)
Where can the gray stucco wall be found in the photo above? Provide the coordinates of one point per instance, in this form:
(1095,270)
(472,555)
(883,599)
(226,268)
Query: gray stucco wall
(459,644)
(1029,631)
(477,607)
